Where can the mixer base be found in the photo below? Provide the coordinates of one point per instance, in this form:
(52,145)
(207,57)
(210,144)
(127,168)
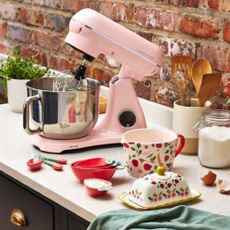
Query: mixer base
(93,139)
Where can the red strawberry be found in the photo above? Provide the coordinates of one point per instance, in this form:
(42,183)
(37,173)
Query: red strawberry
(169,185)
(166,158)
(162,185)
(135,162)
(147,166)
(153,182)
(176,181)
(125,145)
(158,145)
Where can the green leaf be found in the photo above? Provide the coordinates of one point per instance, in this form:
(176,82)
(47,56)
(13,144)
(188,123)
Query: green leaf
(138,145)
(152,159)
(142,160)
(133,148)
(17,67)
(169,165)
(150,198)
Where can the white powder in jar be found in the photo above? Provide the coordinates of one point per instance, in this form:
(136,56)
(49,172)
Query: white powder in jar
(214,147)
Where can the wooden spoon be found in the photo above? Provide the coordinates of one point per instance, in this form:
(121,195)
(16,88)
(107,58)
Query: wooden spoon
(209,86)
(200,67)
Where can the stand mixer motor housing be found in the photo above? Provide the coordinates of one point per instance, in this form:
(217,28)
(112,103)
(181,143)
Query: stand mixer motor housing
(94,34)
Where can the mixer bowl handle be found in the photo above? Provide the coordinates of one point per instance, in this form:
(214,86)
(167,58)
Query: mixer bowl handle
(26,115)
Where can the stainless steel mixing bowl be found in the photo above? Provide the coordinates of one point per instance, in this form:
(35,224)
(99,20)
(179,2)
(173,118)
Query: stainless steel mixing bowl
(60,114)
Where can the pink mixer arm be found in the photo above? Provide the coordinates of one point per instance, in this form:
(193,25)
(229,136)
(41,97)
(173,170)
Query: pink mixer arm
(96,34)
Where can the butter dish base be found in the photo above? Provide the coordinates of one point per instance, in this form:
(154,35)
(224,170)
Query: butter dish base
(125,198)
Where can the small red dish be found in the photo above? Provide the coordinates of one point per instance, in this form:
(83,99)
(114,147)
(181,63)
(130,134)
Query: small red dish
(97,187)
(92,162)
(83,173)
(34,164)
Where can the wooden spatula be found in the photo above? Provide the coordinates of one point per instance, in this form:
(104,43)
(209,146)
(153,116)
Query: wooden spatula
(209,86)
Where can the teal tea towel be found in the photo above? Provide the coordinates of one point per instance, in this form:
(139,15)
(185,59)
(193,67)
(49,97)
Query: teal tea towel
(180,217)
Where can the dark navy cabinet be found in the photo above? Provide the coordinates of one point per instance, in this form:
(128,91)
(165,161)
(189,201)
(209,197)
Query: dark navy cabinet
(23,208)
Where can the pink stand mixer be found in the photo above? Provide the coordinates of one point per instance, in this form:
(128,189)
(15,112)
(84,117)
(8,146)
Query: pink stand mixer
(94,34)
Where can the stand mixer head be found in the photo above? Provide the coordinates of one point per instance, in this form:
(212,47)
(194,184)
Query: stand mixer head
(94,34)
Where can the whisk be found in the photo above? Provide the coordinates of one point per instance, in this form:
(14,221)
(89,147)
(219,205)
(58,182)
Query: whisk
(61,81)
(182,83)
(81,82)
(65,81)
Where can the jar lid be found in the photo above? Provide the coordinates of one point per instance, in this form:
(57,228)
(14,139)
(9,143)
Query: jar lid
(217,115)
(211,117)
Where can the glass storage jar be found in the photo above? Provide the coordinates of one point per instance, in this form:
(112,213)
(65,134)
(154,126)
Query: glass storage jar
(214,138)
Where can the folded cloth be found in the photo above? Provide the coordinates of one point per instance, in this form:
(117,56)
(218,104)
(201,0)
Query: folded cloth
(180,217)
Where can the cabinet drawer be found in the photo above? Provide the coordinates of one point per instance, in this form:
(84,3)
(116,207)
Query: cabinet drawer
(76,224)
(38,213)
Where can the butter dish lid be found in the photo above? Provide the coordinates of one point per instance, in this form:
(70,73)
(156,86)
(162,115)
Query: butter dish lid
(160,174)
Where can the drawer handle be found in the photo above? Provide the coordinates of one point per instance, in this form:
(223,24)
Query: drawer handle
(17,217)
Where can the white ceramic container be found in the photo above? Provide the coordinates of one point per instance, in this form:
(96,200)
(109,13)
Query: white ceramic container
(16,93)
(184,118)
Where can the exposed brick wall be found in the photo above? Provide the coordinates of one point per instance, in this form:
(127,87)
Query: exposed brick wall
(200,28)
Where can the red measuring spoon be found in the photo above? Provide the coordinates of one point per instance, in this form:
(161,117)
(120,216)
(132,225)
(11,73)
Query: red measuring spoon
(34,164)
(55,166)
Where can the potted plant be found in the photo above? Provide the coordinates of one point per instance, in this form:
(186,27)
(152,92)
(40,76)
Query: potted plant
(15,72)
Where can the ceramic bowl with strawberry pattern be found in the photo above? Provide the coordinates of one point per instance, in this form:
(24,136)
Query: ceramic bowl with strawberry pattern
(146,149)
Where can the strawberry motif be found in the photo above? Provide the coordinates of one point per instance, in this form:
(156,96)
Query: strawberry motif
(147,166)
(162,185)
(125,145)
(166,158)
(153,182)
(158,145)
(169,185)
(176,181)
(135,162)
